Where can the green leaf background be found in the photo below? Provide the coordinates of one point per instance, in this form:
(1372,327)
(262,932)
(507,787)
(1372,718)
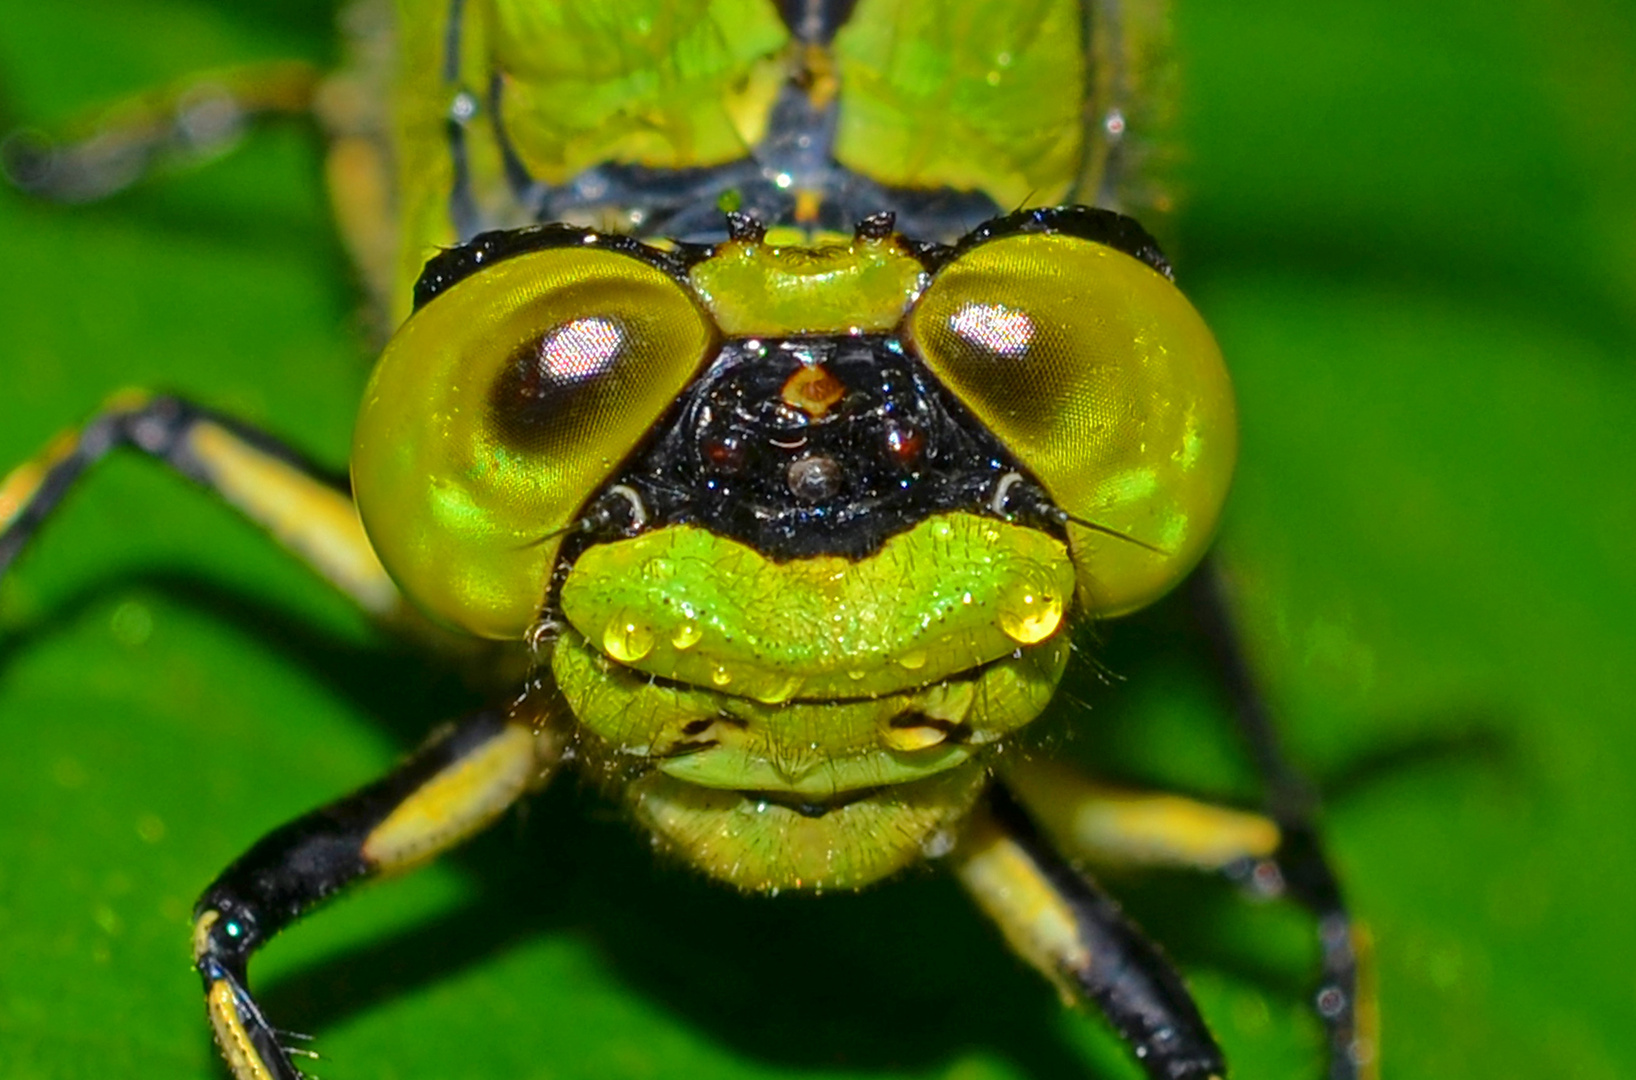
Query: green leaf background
(1414,229)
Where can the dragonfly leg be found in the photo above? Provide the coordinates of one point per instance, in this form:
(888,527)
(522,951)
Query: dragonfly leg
(190,120)
(1114,826)
(450,789)
(312,517)
(204,115)
(1061,922)
(1299,866)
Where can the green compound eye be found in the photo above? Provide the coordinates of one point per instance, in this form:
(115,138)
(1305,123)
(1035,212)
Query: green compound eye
(1095,371)
(503,405)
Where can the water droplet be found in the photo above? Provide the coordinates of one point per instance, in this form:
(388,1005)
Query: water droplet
(720,675)
(857,676)
(627,637)
(1029,614)
(913,660)
(686,635)
(909,739)
(778,693)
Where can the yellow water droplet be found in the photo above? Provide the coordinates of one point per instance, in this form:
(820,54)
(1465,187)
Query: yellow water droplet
(627,637)
(686,635)
(857,676)
(720,675)
(778,693)
(909,739)
(1029,614)
(913,660)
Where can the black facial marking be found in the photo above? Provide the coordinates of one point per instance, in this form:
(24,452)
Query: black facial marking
(823,445)
(448,268)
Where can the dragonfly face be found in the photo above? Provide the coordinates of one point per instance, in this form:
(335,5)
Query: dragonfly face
(621,462)
(729,396)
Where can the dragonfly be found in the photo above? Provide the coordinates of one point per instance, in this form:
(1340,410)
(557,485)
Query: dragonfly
(696,428)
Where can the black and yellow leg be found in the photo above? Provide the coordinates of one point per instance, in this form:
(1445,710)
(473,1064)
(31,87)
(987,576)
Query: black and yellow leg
(203,115)
(449,790)
(1058,920)
(1299,866)
(313,518)
(191,119)
(1109,825)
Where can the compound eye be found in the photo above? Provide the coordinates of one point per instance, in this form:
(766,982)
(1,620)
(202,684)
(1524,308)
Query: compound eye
(1104,382)
(500,408)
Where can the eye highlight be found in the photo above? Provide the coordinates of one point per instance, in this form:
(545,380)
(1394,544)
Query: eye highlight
(999,330)
(1095,371)
(500,407)
(579,349)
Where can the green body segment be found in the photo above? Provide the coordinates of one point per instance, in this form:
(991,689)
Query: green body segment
(975,97)
(667,84)
(568,85)
(1030,104)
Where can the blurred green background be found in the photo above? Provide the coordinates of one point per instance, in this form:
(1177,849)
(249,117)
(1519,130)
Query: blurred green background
(1413,227)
